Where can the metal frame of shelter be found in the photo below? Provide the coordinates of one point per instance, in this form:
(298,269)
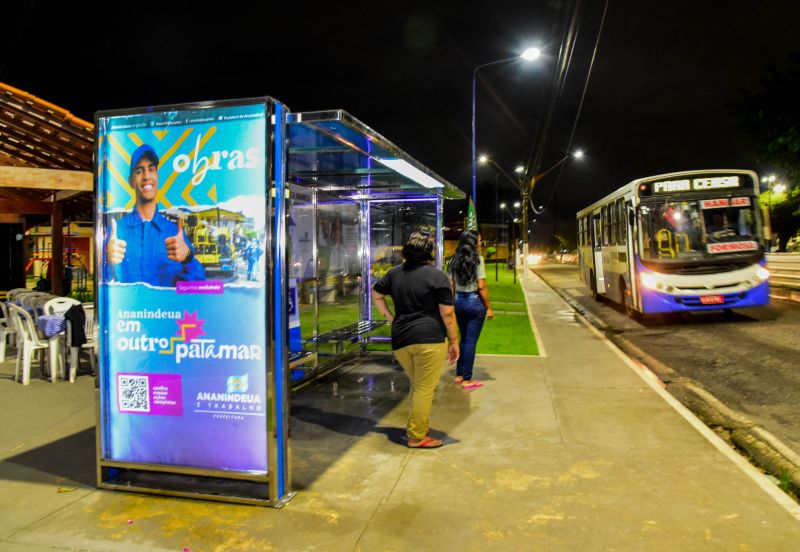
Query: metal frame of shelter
(333,154)
(327,152)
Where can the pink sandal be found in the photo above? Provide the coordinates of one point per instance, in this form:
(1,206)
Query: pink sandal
(471,384)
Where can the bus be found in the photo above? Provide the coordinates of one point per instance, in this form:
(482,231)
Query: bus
(683,241)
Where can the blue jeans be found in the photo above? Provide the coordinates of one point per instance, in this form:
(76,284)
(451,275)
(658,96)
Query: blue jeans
(470,314)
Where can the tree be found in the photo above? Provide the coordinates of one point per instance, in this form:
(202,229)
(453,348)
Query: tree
(783,213)
(561,242)
(768,129)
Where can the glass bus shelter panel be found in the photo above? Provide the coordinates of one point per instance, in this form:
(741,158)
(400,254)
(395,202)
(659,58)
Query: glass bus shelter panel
(391,223)
(301,256)
(339,269)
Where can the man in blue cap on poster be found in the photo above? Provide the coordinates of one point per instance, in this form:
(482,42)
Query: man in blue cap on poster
(145,246)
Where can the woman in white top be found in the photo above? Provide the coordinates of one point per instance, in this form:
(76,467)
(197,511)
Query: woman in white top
(468,277)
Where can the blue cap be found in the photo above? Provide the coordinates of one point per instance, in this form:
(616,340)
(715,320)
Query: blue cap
(143,151)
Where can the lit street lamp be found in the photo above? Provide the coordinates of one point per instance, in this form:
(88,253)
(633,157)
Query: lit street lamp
(526,191)
(527,197)
(778,189)
(528,55)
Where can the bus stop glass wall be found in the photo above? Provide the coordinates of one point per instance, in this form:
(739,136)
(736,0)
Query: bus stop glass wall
(338,223)
(325,268)
(326,245)
(302,260)
(391,223)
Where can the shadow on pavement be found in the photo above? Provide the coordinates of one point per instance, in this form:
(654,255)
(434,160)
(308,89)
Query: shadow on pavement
(71,458)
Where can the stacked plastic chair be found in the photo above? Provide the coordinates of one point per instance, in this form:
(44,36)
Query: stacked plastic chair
(28,342)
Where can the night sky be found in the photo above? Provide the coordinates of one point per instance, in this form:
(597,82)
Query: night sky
(656,102)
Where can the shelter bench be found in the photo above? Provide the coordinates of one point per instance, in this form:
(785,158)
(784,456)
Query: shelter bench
(348,334)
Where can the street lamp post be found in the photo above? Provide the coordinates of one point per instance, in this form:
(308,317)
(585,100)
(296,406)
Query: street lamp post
(527,192)
(495,226)
(511,245)
(528,55)
(505,229)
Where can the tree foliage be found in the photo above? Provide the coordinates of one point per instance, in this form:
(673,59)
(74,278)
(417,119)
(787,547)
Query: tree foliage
(768,128)
(783,213)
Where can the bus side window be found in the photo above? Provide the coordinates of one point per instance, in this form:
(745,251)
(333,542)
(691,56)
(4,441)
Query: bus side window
(615,222)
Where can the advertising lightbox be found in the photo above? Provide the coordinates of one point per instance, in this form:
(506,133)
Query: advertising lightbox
(182,207)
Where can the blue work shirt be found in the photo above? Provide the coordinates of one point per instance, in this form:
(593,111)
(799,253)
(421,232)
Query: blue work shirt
(146,255)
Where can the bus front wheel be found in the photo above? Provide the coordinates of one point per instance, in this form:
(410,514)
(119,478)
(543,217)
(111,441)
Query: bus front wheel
(627,300)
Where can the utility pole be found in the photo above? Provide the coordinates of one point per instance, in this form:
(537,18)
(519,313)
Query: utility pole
(524,189)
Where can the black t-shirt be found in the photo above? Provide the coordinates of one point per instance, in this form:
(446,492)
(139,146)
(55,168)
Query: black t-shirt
(417,292)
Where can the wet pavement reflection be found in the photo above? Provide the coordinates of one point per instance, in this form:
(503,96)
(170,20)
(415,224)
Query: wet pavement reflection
(329,415)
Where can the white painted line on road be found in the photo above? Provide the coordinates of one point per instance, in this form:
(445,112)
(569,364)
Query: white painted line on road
(751,471)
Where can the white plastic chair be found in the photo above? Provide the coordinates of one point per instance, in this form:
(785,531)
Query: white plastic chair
(7,330)
(13,295)
(39,302)
(59,305)
(28,341)
(90,329)
(28,301)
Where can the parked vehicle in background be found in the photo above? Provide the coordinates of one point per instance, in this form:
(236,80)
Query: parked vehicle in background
(675,242)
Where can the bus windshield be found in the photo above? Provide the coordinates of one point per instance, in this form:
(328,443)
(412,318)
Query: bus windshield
(701,229)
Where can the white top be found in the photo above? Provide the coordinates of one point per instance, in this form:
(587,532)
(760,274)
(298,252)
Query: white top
(480,274)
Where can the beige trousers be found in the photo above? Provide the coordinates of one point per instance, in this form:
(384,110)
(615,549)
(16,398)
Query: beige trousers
(423,364)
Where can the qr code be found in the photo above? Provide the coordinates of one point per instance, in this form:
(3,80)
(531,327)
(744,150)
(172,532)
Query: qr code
(134,393)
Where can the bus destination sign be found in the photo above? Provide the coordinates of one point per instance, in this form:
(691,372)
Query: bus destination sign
(700,184)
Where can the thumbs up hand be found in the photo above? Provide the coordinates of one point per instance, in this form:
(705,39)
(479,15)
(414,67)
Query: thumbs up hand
(177,250)
(115,248)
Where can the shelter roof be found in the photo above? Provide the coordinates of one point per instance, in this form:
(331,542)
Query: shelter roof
(36,134)
(334,151)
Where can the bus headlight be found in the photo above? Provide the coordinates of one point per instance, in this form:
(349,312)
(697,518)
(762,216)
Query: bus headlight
(762,274)
(648,280)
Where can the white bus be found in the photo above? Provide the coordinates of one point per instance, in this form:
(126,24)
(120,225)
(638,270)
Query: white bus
(675,242)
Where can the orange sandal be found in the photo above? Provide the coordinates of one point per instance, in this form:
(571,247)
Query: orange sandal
(427,442)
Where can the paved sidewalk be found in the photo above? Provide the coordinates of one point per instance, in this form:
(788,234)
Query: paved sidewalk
(569,451)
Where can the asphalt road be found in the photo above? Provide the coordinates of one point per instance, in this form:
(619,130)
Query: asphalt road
(749,360)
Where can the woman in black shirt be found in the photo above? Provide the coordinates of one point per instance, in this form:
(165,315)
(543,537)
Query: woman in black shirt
(423,302)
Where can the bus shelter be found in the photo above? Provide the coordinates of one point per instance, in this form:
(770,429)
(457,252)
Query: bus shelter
(236,244)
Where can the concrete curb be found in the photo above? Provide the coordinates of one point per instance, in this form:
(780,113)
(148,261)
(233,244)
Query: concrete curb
(784,294)
(762,448)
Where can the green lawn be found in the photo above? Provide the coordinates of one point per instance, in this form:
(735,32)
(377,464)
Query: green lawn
(510,318)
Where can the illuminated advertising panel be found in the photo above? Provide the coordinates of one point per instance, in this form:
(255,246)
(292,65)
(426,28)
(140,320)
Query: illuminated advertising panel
(182,295)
